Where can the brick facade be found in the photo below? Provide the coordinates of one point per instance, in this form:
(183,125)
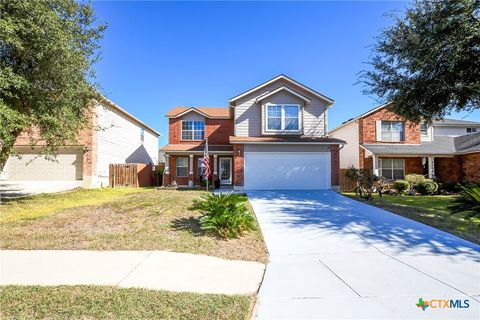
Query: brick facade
(367,127)
(335,167)
(218,131)
(238,170)
(471,166)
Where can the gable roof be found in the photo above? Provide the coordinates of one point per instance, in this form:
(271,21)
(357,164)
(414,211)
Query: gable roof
(282,88)
(284,77)
(113,105)
(454,122)
(360,116)
(209,112)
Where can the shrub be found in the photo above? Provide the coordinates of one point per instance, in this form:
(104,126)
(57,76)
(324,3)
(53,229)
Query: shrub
(401,185)
(224,214)
(414,179)
(467,202)
(450,186)
(427,187)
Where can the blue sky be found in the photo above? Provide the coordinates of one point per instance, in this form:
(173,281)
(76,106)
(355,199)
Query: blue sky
(157,55)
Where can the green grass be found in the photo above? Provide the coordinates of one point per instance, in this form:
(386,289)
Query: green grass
(118,219)
(91,302)
(431,210)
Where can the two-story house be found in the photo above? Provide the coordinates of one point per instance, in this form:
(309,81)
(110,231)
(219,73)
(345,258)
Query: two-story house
(273,136)
(448,150)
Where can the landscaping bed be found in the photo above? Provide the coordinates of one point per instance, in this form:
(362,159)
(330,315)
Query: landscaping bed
(93,302)
(431,210)
(118,219)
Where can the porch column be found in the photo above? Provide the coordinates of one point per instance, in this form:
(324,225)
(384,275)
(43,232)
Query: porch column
(190,172)
(375,165)
(431,167)
(215,163)
(166,173)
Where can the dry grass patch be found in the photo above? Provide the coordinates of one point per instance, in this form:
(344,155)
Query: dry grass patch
(148,219)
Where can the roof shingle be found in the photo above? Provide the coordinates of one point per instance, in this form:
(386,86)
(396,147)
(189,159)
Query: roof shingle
(208,111)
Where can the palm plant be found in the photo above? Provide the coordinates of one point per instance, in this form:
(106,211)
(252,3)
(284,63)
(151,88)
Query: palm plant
(224,214)
(467,202)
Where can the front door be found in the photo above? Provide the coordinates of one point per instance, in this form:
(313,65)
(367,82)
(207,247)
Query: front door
(225,170)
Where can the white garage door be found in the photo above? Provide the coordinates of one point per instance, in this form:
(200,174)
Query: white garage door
(31,166)
(287,171)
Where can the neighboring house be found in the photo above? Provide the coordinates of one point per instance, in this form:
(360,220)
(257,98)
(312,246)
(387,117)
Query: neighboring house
(273,136)
(392,147)
(112,136)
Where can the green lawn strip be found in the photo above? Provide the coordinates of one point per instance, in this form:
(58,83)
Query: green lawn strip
(431,210)
(41,205)
(95,302)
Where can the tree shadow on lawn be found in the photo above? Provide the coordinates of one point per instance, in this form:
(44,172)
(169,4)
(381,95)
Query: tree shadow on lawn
(327,211)
(190,224)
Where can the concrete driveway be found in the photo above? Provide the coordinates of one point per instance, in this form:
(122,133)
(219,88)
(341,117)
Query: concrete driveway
(16,189)
(332,257)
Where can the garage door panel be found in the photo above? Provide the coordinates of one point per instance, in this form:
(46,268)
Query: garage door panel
(287,171)
(67,166)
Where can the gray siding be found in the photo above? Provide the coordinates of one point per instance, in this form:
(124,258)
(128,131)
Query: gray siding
(249,116)
(286,148)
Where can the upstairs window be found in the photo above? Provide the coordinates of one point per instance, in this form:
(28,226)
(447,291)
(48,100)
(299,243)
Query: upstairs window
(142,135)
(392,131)
(283,118)
(424,129)
(193,130)
(471,130)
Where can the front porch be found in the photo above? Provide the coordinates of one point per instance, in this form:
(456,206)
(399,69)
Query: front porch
(184,168)
(440,167)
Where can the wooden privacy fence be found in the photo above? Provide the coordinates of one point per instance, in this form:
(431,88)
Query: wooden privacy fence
(346,184)
(131,175)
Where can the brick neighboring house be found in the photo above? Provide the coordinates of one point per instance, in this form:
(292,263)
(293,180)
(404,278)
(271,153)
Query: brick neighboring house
(448,150)
(273,136)
(112,136)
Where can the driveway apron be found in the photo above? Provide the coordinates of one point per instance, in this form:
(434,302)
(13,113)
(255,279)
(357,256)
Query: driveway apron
(335,258)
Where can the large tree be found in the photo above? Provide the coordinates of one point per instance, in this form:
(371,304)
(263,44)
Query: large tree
(428,62)
(47,49)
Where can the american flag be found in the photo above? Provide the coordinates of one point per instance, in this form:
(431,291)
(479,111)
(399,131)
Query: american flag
(206,162)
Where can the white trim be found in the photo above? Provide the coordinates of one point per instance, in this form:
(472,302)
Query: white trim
(380,165)
(176,167)
(284,78)
(193,130)
(225,182)
(270,93)
(282,118)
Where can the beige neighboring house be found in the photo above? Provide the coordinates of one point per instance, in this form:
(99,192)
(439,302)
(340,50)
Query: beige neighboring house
(113,136)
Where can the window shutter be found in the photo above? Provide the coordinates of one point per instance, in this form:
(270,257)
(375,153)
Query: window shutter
(379,130)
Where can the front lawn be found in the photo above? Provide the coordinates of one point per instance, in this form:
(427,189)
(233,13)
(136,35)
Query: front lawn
(118,219)
(431,210)
(91,302)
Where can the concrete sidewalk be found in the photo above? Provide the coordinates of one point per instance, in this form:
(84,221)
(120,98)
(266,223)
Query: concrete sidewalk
(159,270)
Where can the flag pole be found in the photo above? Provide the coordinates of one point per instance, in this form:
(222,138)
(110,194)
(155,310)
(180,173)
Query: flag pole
(208,155)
